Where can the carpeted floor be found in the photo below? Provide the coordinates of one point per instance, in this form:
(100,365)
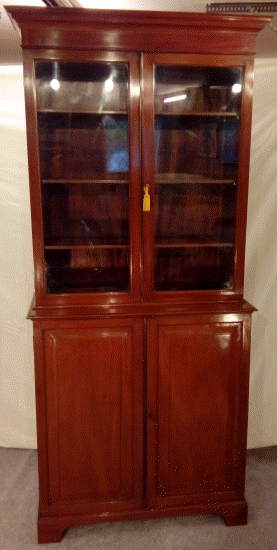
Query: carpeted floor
(18,513)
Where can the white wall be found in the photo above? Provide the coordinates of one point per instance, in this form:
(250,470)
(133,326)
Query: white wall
(17,402)
(261,256)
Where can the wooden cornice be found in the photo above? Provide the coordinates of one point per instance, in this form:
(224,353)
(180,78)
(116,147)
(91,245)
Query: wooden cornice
(137,31)
(246,23)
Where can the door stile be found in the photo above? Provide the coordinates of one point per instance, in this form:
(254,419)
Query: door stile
(148,160)
(135,178)
(34,175)
(152,414)
(243,174)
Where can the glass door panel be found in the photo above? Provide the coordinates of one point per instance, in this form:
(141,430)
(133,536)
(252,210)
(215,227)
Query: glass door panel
(83,122)
(197,127)
(87,146)
(81,87)
(181,90)
(86,232)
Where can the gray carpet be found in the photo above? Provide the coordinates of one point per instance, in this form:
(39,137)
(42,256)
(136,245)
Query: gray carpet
(18,513)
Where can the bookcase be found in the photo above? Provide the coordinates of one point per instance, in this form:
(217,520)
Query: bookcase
(138,127)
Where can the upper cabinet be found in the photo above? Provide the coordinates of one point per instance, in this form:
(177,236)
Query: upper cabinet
(138,161)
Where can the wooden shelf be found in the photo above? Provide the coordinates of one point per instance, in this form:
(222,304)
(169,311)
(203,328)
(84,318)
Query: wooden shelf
(190,178)
(77,244)
(86,247)
(85,182)
(81,112)
(200,114)
(184,243)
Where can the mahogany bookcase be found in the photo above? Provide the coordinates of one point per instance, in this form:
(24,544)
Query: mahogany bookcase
(138,127)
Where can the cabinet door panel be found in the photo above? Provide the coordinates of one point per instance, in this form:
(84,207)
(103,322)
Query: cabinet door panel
(194,114)
(193,399)
(85,176)
(94,396)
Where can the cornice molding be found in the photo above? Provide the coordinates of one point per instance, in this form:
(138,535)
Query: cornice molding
(246,23)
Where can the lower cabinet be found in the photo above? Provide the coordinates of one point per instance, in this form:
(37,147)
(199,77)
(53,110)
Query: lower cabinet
(141,417)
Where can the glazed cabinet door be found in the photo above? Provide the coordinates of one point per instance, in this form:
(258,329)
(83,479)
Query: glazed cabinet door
(85,179)
(93,448)
(196,111)
(197,409)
